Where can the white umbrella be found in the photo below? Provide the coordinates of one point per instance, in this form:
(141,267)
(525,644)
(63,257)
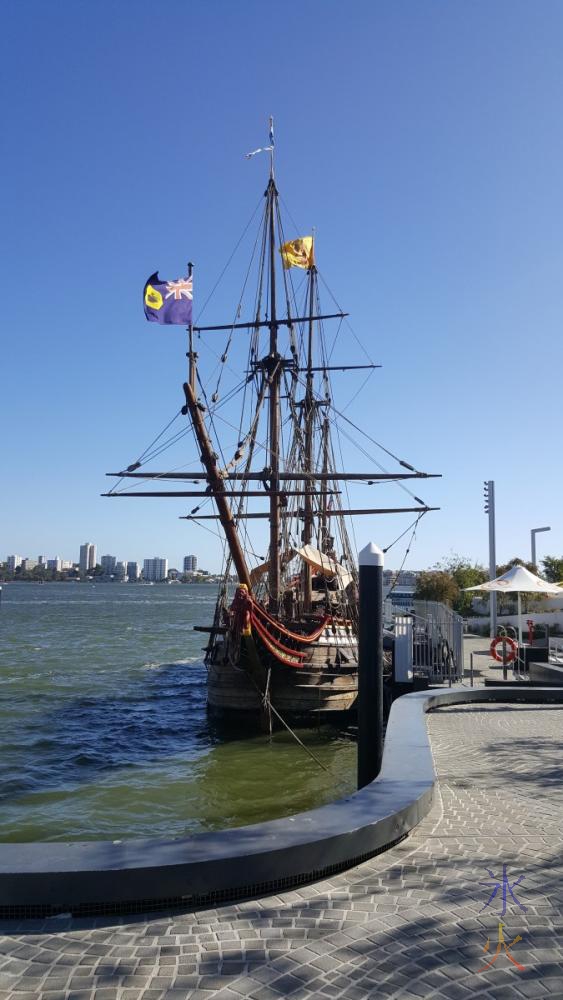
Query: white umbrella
(519,580)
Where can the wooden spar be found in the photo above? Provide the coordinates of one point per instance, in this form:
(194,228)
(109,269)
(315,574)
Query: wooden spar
(192,356)
(326,514)
(337,368)
(282,476)
(208,459)
(294,368)
(274,570)
(211,495)
(290,321)
(308,412)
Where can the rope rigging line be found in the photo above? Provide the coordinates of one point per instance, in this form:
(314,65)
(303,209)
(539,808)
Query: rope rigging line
(373,441)
(348,324)
(407,550)
(142,457)
(225,353)
(268,702)
(403,533)
(220,278)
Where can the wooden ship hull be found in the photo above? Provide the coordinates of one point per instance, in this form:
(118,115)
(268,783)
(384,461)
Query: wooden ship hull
(325,686)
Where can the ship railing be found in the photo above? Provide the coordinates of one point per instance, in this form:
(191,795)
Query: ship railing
(556,651)
(429,642)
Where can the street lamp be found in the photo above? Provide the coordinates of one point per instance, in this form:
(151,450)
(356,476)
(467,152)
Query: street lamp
(533,534)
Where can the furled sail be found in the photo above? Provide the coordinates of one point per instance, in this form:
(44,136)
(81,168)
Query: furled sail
(322,563)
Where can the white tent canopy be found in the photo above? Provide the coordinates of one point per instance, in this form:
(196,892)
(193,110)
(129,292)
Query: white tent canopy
(519,580)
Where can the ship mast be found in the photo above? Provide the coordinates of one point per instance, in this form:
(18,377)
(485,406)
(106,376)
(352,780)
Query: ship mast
(308,414)
(274,375)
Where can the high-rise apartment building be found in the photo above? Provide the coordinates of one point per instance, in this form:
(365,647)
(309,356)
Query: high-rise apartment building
(87,557)
(13,563)
(190,564)
(155,569)
(133,570)
(108,564)
(55,564)
(120,570)
(28,564)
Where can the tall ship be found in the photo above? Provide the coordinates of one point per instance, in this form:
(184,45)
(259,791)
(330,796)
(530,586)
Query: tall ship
(282,644)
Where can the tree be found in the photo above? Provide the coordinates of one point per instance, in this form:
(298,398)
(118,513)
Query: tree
(465,574)
(553,569)
(447,581)
(436,585)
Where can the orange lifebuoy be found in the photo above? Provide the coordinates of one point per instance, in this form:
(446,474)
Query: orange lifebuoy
(511,653)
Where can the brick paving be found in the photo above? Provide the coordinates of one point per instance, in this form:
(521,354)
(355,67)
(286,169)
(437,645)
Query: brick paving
(409,923)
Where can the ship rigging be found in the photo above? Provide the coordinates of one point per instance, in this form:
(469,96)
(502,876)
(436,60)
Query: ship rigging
(288,639)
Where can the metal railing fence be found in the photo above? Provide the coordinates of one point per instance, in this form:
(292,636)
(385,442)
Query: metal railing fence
(431,641)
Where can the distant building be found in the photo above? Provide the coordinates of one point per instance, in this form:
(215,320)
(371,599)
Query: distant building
(120,570)
(41,561)
(155,569)
(402,578)
(13,563)
(67,564)
(190,564)
(28,564)
(399,588)
(133,571)
(87,557)
(108,564)
(55,564)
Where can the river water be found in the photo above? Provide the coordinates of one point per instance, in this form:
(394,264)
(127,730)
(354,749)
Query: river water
(103,726)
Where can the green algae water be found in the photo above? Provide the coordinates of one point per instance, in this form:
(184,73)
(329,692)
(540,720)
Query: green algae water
(104,732)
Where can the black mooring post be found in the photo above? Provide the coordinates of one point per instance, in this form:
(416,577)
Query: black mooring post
(370,665)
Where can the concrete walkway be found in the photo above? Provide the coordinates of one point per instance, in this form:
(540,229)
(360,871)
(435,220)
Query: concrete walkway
(409,923)
(412,922)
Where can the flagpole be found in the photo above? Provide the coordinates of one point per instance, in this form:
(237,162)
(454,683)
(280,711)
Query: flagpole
(192,357)
(271,140)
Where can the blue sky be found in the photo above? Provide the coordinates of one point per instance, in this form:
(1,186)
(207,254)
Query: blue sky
(424,143)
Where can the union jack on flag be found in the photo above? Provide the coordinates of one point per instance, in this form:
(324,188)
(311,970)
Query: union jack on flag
(181,288)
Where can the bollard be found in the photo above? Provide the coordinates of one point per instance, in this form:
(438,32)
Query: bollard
(471,669)
(504,663)
(370,665)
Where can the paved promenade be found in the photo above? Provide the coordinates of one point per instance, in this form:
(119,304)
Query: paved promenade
(409,923)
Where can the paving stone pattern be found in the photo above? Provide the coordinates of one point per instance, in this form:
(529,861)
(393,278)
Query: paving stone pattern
(409,923)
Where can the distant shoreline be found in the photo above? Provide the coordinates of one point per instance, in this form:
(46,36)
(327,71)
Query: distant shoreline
(133,583)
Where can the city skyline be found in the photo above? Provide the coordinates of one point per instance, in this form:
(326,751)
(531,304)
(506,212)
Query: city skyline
(107,561)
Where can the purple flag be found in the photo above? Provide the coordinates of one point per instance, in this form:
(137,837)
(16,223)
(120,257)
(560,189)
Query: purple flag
(168,301)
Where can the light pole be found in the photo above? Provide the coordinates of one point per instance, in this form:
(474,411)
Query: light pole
(489,492)
(533,534)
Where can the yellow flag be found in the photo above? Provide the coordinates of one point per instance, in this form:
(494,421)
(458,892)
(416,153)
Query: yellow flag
(298,253)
